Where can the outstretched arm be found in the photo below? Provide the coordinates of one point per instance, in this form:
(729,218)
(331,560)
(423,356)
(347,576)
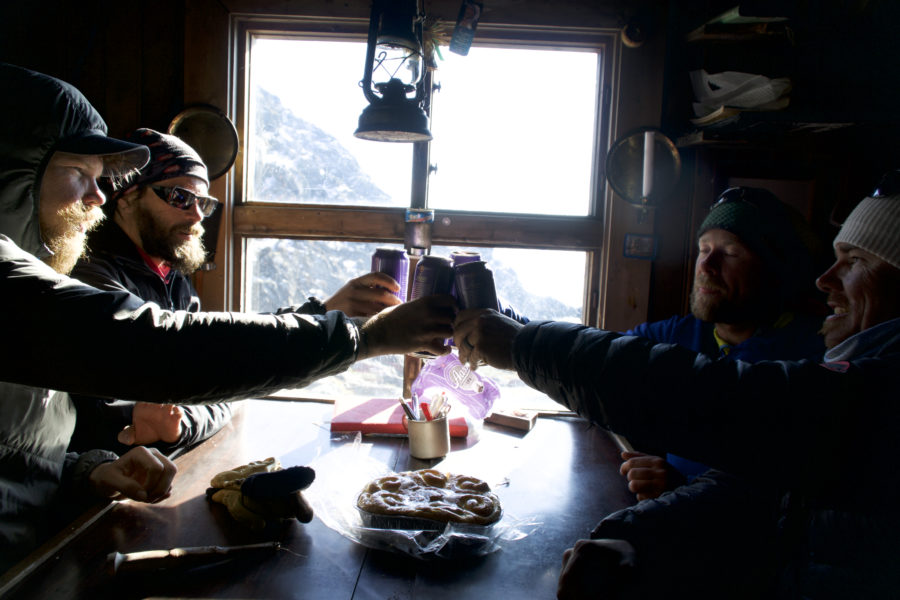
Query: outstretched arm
(365,296)
(421,324)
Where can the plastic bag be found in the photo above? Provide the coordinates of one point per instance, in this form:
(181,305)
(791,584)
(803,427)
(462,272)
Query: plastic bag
(463,386)
(342,474)
(736,89)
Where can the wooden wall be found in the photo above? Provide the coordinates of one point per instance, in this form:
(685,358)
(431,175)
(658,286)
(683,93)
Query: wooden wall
(126,57)
(141,62)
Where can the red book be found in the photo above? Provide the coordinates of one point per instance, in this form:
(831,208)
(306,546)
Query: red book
(379,415)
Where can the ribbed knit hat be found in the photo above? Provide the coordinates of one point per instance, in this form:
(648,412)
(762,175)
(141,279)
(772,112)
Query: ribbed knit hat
(773,230)
(170,157)
(874,226)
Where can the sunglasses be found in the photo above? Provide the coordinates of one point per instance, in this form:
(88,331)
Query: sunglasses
(889,185)
(734,194)
(760,198)
(185,199)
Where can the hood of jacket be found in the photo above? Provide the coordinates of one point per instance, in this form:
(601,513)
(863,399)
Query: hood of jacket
(36,112)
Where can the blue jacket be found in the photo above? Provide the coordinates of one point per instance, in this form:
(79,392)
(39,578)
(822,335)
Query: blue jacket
(795,339)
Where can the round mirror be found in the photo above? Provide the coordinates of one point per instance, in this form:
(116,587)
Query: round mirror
(643,166)
(211,133)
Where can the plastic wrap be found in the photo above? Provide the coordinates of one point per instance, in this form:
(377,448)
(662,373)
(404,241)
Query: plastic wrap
(464,388)
(343,473)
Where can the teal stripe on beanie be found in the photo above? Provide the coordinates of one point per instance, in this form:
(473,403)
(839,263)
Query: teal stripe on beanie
(740,218)
(774,231)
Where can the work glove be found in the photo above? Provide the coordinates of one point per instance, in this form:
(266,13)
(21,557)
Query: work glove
(262,491)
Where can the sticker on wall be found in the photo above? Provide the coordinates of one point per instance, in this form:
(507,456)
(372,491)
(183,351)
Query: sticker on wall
(640,246)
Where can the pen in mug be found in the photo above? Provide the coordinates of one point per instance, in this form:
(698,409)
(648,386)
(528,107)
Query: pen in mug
(407,410)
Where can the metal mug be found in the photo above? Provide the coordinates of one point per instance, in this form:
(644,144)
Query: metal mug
(428,439)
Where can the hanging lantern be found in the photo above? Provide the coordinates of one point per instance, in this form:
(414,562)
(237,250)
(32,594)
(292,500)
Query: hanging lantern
(394,78)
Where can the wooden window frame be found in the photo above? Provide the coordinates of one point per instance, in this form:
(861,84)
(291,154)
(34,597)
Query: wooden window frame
(386,225)
(634,89)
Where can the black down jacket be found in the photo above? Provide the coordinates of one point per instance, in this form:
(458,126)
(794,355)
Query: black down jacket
(825,435)
(60,334)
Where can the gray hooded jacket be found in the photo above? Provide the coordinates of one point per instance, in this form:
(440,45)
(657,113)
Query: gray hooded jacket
(60,334)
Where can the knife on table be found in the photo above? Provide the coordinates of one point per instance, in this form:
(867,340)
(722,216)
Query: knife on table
(182,558)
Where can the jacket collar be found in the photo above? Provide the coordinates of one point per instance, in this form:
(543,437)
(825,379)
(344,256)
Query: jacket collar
(110,241)
(871,342)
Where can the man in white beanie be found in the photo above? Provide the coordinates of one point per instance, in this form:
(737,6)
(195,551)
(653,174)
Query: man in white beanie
(862,285)
(823,435)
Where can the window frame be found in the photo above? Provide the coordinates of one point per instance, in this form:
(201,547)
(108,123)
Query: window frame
(458,228)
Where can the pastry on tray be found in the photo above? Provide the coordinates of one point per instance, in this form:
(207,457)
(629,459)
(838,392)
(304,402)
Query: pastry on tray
(427,499)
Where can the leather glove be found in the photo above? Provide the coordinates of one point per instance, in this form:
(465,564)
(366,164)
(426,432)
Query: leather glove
(263,491)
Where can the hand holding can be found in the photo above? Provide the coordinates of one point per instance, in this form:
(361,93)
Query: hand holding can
(393,262)
(433,275)
(475,286)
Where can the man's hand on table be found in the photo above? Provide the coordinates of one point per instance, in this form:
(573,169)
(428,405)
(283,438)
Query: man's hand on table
(485,336)
(142,474)
(152,423)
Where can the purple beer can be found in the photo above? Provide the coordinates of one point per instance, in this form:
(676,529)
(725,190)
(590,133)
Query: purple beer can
(460,257)
(463,256)
(393,262)
(475,286)
(433,275)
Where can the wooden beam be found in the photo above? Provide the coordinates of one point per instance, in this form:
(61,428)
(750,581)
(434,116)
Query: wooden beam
(387,225)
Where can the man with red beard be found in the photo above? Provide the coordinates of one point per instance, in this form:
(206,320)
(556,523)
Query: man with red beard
(750,301)
(61,335)
(150,246)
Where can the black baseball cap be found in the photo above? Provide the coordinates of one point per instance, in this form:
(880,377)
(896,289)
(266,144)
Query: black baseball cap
(119,157)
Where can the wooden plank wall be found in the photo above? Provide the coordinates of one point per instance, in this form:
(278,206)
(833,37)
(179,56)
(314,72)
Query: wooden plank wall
(140,63)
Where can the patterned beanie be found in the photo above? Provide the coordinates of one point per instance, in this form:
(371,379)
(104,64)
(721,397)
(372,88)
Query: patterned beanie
(773,230)
(169,157)
(874,226)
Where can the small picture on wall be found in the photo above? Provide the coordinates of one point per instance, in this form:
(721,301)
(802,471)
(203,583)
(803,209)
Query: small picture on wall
(640,246)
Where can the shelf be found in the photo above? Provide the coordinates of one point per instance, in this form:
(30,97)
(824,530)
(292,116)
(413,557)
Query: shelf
(767,128)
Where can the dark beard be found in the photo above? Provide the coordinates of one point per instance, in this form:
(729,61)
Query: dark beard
(724,310)
(183,256)
(64,237)
(717,311)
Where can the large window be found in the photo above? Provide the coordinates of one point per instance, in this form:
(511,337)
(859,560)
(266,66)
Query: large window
(514,131)
(517,137)
(304,100)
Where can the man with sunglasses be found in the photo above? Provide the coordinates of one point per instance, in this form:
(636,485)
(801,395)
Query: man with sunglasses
(821,434)
(61,335)
(149,246)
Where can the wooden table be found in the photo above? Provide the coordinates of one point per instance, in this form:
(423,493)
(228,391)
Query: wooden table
(563,474)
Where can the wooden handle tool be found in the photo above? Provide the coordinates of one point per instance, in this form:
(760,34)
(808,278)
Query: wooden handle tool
(182,558)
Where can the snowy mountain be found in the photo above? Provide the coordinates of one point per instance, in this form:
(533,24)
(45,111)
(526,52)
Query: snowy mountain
(295,161)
